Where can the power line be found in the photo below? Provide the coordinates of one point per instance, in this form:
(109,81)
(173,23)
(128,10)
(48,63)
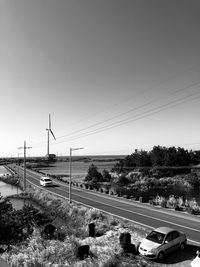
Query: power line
(189,69)
(129,111)
(137,117)
(131,119)
(150,89)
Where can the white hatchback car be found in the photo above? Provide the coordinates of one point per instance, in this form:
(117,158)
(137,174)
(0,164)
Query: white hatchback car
(45,181)
(162,241)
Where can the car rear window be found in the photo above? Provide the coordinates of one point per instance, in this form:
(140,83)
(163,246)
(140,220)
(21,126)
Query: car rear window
(47,180)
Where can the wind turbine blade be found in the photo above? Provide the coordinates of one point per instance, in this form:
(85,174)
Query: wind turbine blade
(52,134)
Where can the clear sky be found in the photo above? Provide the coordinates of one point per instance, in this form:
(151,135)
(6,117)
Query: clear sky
(115,75)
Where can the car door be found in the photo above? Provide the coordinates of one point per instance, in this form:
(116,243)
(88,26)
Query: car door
(168,243)
(172,241)
(176,240)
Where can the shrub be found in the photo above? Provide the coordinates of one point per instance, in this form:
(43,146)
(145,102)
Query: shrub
(151,202)
(60,234)
(143,199)
(5,206)
(194,207)
(94,214)
(181,202)
(113,261)
(93,175)
(178,208)
(163,203)
(172,202)
(113,221)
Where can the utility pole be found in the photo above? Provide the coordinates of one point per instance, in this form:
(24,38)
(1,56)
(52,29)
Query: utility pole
(24,147)
(48,135)
(18,163)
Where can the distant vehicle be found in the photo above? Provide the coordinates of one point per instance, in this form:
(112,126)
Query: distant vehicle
(196,261)
(162,241)
(45,181)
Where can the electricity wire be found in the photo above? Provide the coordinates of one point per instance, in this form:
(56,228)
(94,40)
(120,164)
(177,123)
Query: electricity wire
(189,69)
(136,117)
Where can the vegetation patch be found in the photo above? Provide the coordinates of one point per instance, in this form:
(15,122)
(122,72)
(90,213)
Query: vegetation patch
(35,249)
(72,225)
(146,174)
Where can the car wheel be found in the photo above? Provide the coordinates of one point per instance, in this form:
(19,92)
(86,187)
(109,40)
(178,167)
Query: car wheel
(182,246)
(161,256)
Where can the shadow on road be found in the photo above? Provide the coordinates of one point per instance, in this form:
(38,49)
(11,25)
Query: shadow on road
(54,185)
(50,186)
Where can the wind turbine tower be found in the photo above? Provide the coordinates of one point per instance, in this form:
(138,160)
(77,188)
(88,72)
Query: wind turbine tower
(49,131)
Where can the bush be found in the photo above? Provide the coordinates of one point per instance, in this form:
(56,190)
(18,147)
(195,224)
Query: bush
(194,207)
(163,203)
(178,208)
(143,199)
(190,210)
(172,202)
(94,214)
(5,206)
(16,225)
(60,234)
(93,176)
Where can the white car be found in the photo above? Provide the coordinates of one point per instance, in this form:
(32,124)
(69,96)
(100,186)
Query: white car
(162,241)
(45,181)
(196,261)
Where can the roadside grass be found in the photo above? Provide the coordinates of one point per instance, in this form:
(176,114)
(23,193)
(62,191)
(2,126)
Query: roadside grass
(73,220)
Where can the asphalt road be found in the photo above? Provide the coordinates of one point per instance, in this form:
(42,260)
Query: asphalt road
(144,214)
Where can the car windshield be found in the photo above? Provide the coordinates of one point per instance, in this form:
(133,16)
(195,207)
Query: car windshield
(156,237)
(47,180)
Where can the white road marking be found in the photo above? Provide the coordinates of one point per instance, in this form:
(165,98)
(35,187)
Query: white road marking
(123,210)
(112,214)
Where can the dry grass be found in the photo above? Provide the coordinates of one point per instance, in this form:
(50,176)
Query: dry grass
(105,250)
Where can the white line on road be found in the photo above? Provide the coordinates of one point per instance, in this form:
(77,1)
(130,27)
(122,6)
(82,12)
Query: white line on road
(165,221)
(145,225)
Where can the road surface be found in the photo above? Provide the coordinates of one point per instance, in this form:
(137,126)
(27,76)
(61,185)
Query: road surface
(143,214)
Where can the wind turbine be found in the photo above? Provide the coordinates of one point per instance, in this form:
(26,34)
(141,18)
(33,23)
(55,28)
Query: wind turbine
(48,134)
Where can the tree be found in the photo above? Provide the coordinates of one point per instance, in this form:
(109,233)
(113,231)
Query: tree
(122,179)
(15,225)
(5,205)
(93,176)
(158,155)
(106,177)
